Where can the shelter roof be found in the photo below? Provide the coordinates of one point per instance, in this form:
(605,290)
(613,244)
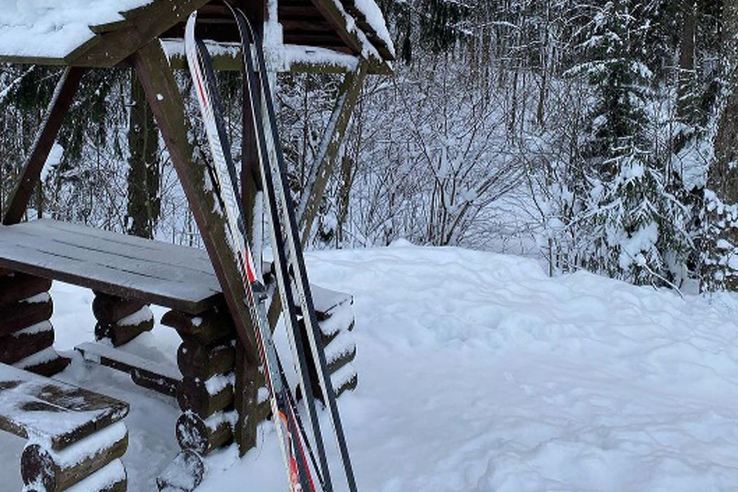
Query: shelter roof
(101,33)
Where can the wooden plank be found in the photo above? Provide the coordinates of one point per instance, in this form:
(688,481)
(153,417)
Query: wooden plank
(161,378)
(134,268)
(55,113)
(323,40)
(305,24)
(35,405)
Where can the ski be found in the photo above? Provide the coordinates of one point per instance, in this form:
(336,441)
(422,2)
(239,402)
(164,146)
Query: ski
(290,262)
(222,173)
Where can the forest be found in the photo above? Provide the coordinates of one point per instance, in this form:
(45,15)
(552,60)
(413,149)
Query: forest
(599,136)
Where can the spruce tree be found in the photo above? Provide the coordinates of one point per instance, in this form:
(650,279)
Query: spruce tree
(633,223)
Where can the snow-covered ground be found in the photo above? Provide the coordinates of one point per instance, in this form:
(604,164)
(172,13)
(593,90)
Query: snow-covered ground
(479,373)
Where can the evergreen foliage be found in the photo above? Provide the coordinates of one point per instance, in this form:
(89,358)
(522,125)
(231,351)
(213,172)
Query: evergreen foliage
(633,224)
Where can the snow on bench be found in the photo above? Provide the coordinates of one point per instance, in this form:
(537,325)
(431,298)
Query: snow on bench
(74,435)
(130,267)
(162,378)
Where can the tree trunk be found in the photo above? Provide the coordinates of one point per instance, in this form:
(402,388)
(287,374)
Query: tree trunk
(686,60)
(144,202)
(721,236)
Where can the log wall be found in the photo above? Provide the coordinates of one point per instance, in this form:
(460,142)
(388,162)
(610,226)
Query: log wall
(26,332)
(120,320)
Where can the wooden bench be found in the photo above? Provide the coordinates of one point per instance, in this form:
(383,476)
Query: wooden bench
(128,273)
(75,437)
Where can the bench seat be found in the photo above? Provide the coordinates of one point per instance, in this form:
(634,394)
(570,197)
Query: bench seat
(74,435)
(36,406)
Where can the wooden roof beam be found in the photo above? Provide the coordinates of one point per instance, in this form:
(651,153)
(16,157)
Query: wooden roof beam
(146,24)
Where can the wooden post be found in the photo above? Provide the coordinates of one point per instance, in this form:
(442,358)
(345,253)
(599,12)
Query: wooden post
(166,102)
(167,105)
(330,146)
(57,110)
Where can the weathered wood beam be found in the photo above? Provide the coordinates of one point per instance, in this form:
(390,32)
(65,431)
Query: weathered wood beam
(55,113)
(166,102)
(157,79)
(227,63)
(336,18)
(145,25)
(331,144)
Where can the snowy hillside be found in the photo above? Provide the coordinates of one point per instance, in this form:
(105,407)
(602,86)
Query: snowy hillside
(480,373)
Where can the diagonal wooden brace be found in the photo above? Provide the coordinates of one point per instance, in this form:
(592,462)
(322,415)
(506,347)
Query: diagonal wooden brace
(328,154)
(57,110)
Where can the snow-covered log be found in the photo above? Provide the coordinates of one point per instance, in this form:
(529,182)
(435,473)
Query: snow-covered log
(197,360)
(120,320)
(60,470)
(204,398)
(26,334)
(208,327)
(15,287)
(204,435)
(109,309)
(75,437)
(24,343)
(184,473)
(26,312)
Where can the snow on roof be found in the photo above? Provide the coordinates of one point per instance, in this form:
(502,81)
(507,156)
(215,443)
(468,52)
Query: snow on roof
(55,28)
(281,59)
(36,30)
(376,21)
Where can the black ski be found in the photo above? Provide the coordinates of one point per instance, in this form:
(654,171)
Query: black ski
(222,171)
(285,232)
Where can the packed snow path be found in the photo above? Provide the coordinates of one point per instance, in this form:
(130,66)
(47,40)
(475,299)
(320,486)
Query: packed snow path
(479,373)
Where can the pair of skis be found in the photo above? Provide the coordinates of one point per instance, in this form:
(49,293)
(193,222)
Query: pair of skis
(290,268)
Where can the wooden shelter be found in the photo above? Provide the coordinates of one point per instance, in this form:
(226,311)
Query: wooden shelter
(218,361)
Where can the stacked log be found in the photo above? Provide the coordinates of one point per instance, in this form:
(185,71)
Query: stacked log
(92,463)
(206,360)
(26,332)
(120,320)
(336,325)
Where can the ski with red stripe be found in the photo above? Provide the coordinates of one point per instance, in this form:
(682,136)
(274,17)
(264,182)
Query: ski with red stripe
(225,182)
